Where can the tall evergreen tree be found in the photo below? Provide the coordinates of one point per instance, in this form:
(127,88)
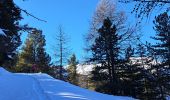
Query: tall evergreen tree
(107,9)
(10,15)
(162,50)
(137,76)
(72,72)
(130,73)
(162,25)
(33,57)
(105,51)
(146,78)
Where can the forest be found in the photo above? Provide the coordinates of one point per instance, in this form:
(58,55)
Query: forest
(121,60)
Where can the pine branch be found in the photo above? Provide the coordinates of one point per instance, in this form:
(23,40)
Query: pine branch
(29,14)
(147,1)
(158,1)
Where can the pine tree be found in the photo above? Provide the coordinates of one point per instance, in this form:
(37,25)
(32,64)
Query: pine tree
(162,50)
(146,79)
(26,58)
(105,51)
(105,9)
(162,24)
(128,74)
(136,74)
(33,57)
(72,73)
(10,15)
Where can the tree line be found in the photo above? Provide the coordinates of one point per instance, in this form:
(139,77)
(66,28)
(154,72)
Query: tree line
(32,57)
(140,70)
(124,65)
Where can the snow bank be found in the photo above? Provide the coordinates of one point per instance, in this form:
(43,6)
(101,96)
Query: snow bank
(3,71)
(59,90)
(2,33)
(43,87)
(19,87)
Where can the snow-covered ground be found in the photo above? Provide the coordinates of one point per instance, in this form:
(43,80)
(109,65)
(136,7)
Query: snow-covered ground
(43,87)
(85,69)
(2,33)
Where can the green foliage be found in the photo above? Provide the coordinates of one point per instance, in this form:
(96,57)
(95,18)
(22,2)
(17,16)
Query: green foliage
(105,51)
(10,15)
(72,73)
(152,82)
(33,57)
(162,50)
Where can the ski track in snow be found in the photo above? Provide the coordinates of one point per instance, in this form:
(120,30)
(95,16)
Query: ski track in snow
(22,86)
(59,90)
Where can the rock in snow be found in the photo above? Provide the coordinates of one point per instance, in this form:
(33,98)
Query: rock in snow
(15,86)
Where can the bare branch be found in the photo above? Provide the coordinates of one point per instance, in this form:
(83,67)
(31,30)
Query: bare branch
(32,15)
(144,8)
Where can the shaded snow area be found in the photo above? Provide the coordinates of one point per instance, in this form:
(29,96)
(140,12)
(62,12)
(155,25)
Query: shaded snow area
(19,87)
(2,33)
(43,87)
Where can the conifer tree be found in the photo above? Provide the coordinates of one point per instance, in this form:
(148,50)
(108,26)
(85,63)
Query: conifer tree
(146,78)
(26,58)
(129,74)
(162,24)
(61,51)
(72,73)
(162,50)
(105,51)
(104,9)
(33,57)
(137,77)
(10,15)
(107,9)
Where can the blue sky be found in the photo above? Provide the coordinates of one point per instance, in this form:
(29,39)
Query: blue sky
(74,16)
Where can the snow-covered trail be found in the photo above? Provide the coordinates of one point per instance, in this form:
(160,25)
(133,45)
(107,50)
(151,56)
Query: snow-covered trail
(22,86)
(19,87)
(59,90)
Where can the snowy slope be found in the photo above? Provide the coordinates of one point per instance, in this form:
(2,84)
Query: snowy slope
(43,87)
(19,87)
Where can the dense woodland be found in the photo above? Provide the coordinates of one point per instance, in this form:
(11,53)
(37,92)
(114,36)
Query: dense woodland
(111,44)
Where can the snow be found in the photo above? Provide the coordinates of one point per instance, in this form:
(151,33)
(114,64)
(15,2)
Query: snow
(84,69)
(19,87)
(3,72)
(39,86)
(2,33)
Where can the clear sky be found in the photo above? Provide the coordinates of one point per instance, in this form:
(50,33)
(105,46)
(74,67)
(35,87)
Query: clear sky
(73,15)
